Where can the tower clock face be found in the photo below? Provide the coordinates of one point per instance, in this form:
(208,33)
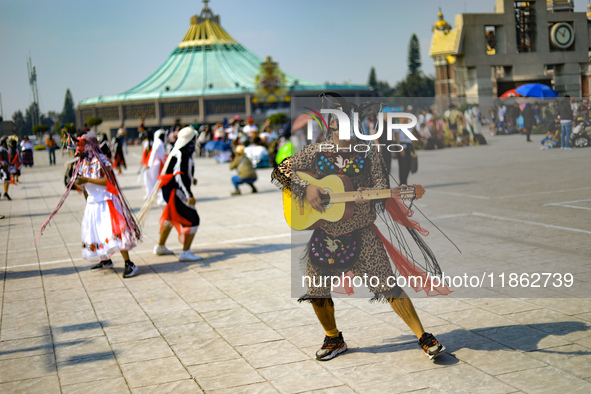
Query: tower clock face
(562,35)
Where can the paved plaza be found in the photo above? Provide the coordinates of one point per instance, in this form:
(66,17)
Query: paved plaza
(230,324)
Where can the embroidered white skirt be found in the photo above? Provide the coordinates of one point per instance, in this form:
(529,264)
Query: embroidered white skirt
(98,240)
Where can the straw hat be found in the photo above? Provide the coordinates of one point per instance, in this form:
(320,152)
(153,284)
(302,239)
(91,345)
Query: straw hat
(185,136)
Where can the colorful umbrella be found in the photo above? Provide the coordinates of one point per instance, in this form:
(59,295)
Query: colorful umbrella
(510,93)
(536,90)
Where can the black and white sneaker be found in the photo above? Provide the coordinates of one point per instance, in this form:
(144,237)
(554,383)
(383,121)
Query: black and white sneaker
(331,348)
(431,346)
(130,269)
(102,265)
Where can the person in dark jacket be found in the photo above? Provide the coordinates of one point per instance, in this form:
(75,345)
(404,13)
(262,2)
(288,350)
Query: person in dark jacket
(529,120)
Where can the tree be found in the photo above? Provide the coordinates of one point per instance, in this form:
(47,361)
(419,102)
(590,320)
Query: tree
(40,129)
(416,84)
(30,116)
(414,55)
(382,88)
(94,121)
(19,123)
(68,114)
(373,79)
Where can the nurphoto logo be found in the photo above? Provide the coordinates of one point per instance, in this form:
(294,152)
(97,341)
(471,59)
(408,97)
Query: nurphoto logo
(345,125)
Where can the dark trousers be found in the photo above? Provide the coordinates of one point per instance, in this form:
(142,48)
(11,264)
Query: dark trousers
(51,156)
(404,164)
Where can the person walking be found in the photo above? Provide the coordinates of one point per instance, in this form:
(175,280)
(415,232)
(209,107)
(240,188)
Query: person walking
(180,211)
(566,122)
(51,146)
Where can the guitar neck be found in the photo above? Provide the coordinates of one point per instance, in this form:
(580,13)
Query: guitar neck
(366,194)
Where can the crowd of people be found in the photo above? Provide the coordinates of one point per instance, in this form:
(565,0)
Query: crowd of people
(555,117)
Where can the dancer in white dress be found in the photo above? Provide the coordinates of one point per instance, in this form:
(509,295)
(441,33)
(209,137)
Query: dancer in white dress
(155,163)
(108,225)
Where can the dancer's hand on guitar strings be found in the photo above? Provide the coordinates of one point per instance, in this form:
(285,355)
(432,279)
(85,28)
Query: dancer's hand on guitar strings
(313,195)
(359,199)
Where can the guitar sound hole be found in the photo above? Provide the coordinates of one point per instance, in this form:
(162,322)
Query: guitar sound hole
(325,199)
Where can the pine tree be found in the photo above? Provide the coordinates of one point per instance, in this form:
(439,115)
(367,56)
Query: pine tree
(68,114)
(414,55)
(373,79)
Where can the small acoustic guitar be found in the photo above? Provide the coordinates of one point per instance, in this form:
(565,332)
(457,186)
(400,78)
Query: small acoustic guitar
(338,202)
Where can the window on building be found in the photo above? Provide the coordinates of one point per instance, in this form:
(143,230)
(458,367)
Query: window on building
(490,36)
(525,26)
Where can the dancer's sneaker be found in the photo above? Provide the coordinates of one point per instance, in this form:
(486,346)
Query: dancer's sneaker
(102,265)
(431,346)
(6,196)
(162,250)
(186,255)
(130,269)
(331,348)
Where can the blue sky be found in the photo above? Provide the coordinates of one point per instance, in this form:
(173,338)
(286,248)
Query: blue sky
(106,47)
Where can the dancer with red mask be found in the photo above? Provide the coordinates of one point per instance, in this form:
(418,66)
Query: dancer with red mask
(108,225)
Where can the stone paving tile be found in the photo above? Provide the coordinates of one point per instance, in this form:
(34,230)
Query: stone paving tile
(573,359)
(141,350)
(131,332)
(204,351)
(268,304)
(152,372)
(117,385)
(24,294)
(257,388)
(248,334)
(218,304)
(110,314)
(82,349)
(10,332)
(495,360)
(19,348)
(27,368)
(410,358)
(45,385)
(187,386)
(524,338)
(474,318)
(288,318)
(271,353)
(168,319)
(226,374)
(502,306)
(464,378)
(88,370)
(304,336)
(185,333)
(299,377)
(231,317)
(546,379)
(366,378)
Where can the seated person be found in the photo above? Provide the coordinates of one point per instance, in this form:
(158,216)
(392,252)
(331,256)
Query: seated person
(552,137)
